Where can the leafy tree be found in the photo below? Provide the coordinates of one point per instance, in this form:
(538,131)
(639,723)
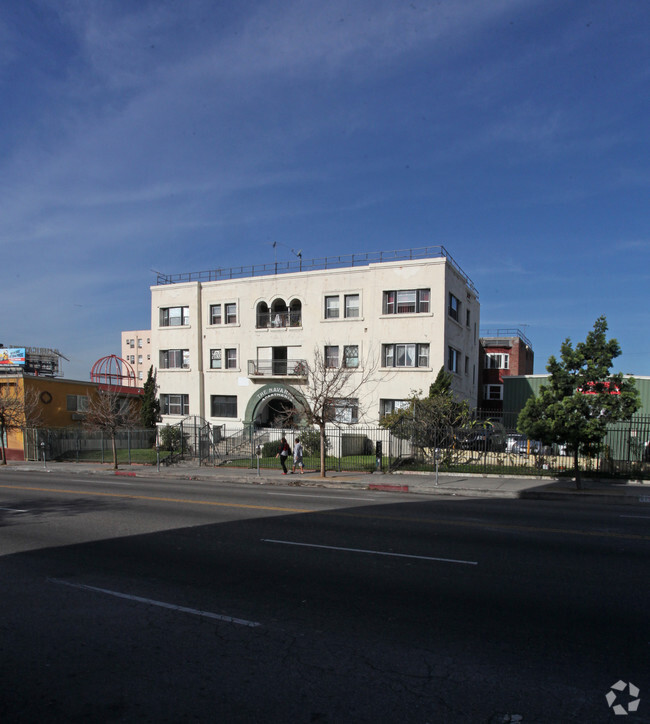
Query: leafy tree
(582,397)
(150,410)
(429,422)
(442,384)
(110,412)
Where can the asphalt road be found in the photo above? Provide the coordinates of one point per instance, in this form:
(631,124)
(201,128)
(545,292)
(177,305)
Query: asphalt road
(136,600)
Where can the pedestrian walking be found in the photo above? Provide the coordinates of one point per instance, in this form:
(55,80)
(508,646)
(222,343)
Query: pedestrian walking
(297,457)
(283,454)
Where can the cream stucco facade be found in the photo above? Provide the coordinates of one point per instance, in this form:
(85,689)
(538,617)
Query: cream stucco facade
(231,351)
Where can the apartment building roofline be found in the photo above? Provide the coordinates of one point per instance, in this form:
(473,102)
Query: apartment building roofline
(318,264)
(492,335)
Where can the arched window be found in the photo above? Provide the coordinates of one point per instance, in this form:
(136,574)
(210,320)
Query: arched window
(279,313)
(295,313)
(263,317)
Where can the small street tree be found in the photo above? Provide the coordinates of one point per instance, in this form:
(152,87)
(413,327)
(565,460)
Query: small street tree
(150,410)
(110,412)
(430,422)
(330,391)
(581,397)
(17,410)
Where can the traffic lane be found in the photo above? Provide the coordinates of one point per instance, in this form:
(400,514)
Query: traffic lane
(405,605)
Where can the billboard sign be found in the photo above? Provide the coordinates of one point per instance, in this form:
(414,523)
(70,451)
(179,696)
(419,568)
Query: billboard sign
(12,356)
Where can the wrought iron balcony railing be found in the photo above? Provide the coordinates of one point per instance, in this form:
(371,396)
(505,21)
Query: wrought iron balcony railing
(277,368)
(276,320)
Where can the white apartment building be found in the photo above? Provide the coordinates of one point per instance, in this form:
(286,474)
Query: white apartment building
(136,350)
(234,346)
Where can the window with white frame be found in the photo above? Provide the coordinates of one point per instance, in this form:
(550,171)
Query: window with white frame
(215,359)
(351,305)
(405,355)
(453,359)
(231,313)
(332,307)
(139,343)
(331,356)
(174,404)
(454,307)
(231,358)
(406,301)
(493,392)
(344,410)
(174,359)
(497,361)
(174,317)
(215,314)
(351,355)
(386,407)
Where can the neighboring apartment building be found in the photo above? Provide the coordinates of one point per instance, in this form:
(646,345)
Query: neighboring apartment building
(503,353)
(237,349)
(136,350)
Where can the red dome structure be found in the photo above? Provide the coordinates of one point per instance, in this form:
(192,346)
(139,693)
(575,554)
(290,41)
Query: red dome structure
(114,373)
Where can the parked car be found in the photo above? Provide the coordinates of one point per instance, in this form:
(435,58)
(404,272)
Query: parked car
(525,446)
(485,440)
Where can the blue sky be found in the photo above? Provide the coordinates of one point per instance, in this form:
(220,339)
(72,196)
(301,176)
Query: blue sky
(182,136)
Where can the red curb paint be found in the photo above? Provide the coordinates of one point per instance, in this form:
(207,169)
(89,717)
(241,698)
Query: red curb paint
(395,488)
(119,472)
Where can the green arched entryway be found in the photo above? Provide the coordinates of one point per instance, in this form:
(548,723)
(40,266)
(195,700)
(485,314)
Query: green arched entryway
(272,397)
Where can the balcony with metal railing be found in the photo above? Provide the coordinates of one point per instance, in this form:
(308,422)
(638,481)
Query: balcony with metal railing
(278,368)
(279,320)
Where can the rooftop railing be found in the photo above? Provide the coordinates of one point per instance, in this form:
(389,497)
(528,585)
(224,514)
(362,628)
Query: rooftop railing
(505,334)
(318,264)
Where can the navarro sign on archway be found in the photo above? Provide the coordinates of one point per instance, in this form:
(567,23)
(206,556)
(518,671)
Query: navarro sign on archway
(271,392)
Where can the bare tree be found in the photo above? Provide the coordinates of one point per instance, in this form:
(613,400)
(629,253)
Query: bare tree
(17,410)
(331,389)
(111,412)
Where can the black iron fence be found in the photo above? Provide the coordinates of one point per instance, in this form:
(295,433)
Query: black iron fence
(483,448)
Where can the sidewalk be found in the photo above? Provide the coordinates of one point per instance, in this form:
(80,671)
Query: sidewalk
(621,492)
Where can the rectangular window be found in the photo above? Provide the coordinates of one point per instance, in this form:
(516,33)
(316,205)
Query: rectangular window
(231,359)
(496,361)
(351,305)
(223,405)
(231,313)
(215,359)
(492,392)
(139,343)
(345,410)
(467,318)
(131,343)
(174,359)
(405,355)
(174,316)
(139,359)
(388,406)
(331,356)
(215,314)
(351,355)
(77,403)
(175,404)
(407,301)
(466,365)
(454,307)
(332,307)
(453,359)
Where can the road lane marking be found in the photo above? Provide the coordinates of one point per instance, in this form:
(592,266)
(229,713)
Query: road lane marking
(129,496)
(507,527)
(161,604)
(374,553)
(327,497)
(14,510)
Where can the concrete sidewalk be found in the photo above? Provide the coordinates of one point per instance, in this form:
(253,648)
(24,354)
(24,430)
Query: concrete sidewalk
(621,492)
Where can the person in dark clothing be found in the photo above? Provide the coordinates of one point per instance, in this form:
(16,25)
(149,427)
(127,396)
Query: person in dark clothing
(284,453)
